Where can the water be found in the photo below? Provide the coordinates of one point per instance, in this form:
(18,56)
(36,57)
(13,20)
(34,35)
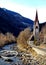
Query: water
(13,60)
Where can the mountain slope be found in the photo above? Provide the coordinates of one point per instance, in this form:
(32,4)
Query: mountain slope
(42,25)
(13,22)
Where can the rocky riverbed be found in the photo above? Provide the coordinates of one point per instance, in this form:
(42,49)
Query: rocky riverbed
(11,55)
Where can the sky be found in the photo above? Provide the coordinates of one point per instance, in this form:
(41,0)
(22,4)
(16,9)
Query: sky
(27,8)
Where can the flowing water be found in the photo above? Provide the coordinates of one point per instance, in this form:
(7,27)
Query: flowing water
(8,58)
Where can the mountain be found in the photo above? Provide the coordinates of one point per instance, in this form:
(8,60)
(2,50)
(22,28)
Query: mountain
(13,22)
(42,25)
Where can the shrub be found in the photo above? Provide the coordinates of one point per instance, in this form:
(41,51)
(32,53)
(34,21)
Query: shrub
(23,37)
(6,38)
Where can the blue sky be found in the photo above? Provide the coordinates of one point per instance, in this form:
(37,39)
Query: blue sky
(27,8)
(34,3)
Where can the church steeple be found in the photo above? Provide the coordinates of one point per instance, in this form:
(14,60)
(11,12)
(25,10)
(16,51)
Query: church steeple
(36,27)
(35,35)
(36,17)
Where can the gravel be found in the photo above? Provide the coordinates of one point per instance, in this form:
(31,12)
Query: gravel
(22,58)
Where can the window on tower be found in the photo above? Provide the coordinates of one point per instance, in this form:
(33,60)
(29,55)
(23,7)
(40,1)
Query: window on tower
(36,26)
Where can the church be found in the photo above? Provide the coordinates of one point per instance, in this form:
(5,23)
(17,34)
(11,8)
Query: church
(37,37)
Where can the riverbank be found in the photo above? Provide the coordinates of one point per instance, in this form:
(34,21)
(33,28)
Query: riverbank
(22,58)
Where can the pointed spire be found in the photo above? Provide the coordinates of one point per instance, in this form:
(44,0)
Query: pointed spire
(36,18)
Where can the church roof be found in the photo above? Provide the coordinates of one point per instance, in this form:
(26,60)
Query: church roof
(36,17)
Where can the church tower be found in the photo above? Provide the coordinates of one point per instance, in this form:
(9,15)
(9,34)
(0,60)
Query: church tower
(36,27)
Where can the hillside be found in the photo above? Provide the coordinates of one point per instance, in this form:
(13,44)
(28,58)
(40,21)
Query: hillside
(14,22)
